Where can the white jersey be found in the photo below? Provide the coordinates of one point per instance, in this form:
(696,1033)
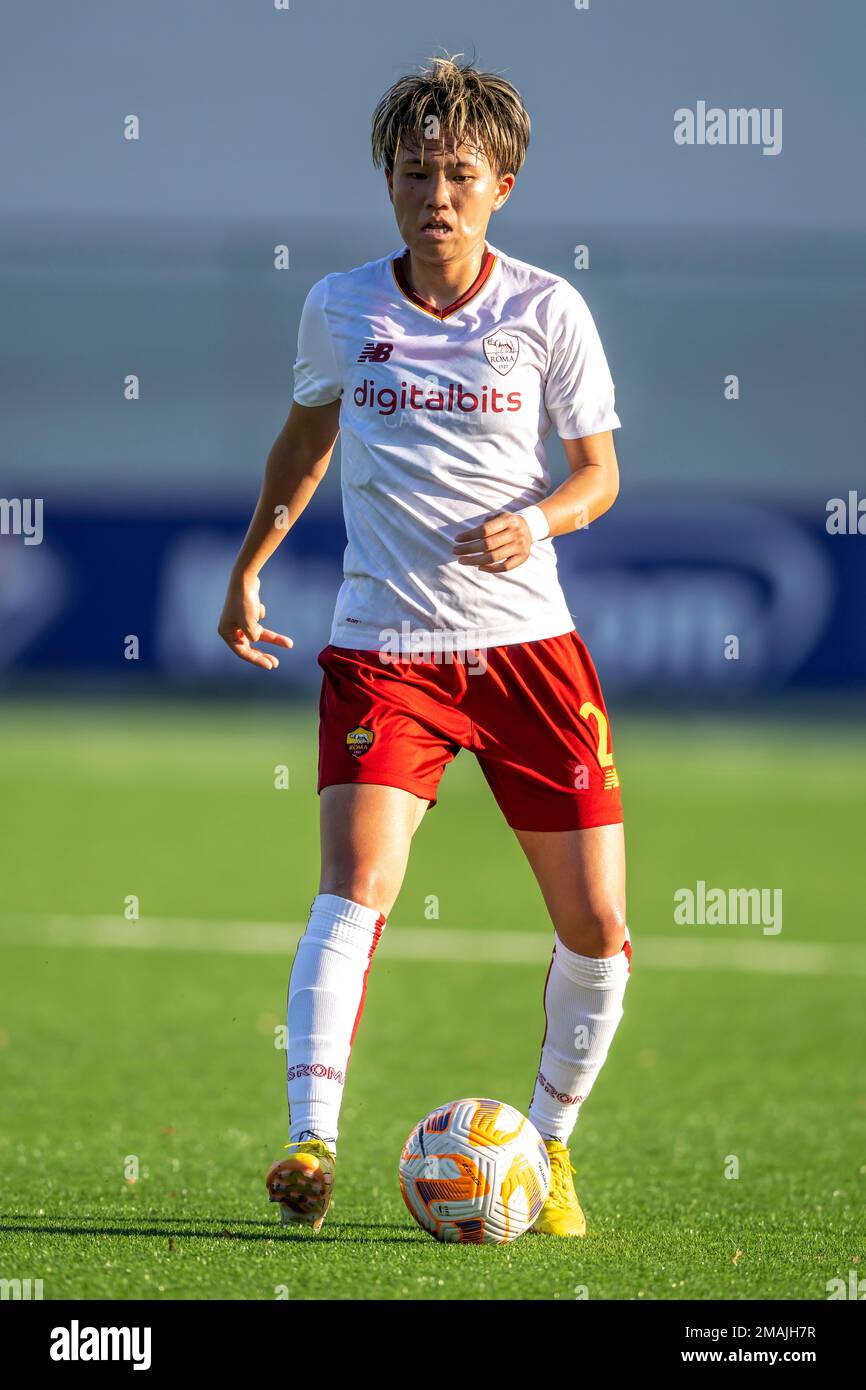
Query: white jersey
(444,417)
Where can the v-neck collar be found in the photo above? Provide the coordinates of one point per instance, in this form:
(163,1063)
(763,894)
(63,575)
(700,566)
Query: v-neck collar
(398,266)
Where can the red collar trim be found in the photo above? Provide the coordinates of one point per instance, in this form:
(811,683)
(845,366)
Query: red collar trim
(398,266)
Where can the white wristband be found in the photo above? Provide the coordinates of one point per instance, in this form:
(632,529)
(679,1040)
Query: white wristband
(536,521)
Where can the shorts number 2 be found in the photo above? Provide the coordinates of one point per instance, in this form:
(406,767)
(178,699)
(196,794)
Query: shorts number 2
(605,755)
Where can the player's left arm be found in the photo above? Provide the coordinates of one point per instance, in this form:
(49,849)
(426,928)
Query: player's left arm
(504,540)
(591,489)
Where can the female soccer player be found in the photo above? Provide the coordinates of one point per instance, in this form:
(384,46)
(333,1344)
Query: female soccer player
(444,365)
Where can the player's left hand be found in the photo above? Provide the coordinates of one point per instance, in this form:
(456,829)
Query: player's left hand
(500,543)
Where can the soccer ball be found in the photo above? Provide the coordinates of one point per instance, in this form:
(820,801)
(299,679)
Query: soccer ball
(475,1172)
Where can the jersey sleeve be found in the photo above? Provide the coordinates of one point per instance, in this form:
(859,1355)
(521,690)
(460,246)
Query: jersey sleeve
(578,388)
(318,379)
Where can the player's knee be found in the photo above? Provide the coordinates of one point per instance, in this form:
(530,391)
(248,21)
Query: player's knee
(362,884)
(594,932)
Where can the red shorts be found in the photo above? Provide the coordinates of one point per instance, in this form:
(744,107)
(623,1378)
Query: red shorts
(532,713)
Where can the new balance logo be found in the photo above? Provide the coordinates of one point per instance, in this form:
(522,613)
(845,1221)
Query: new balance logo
(376,352)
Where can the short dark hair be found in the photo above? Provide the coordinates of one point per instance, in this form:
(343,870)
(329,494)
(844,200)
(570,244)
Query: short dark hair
(471,107)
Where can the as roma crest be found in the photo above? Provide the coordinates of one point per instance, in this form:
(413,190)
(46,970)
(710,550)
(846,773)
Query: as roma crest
(501,351)
(359,741)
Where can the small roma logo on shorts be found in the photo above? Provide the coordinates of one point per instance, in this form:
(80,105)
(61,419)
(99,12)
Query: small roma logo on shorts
(359,741)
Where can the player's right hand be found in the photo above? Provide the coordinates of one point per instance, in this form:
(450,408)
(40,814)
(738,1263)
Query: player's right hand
(240,625)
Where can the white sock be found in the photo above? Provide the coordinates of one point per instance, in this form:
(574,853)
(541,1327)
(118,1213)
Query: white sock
(327,988)
(583,1004)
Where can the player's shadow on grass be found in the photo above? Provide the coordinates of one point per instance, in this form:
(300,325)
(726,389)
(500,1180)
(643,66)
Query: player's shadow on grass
(351,1230)
(262,1230)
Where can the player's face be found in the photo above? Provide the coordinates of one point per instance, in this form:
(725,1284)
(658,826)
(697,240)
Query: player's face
(443,198)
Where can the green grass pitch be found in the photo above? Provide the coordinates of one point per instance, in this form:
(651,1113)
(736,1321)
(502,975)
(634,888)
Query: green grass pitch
(166,1058)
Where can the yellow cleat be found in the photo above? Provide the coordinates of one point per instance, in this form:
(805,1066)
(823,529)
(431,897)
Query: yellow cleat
(303,1183)
(561,1214)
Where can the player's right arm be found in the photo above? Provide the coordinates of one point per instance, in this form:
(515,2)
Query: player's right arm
(296,465)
